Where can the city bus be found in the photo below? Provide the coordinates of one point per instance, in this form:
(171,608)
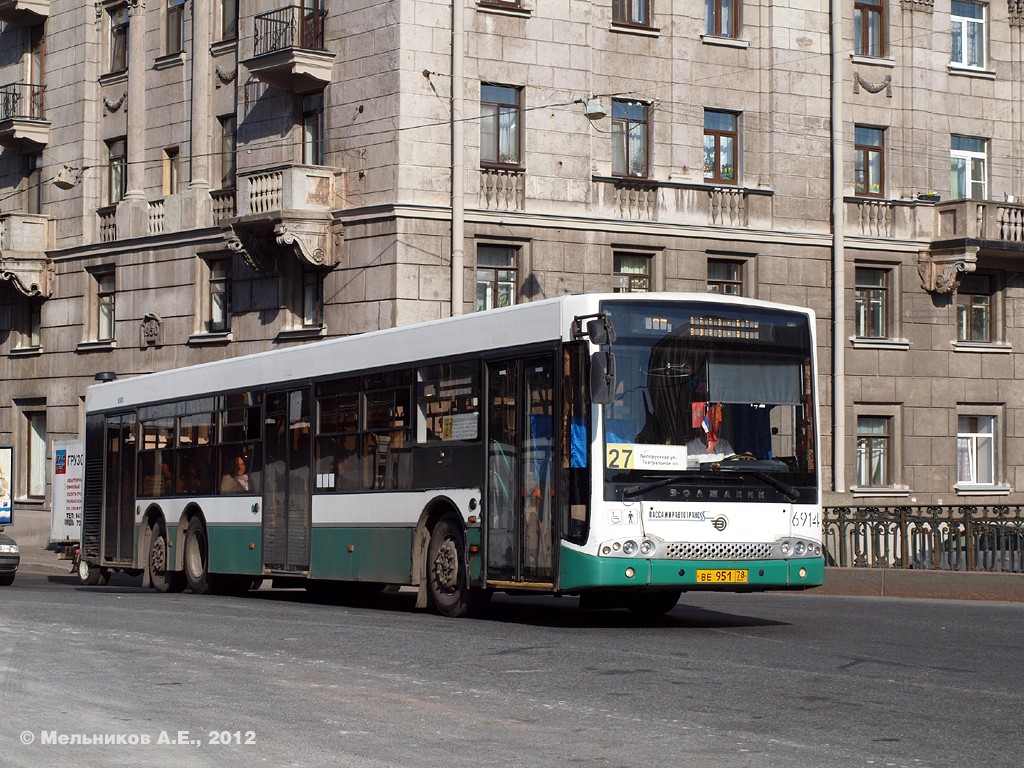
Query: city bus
(624,448)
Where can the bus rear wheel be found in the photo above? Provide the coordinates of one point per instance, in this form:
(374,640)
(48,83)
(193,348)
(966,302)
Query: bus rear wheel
(160,576)
(446,570)
(197,557)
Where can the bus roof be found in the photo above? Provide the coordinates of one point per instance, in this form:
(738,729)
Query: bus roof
(507,327)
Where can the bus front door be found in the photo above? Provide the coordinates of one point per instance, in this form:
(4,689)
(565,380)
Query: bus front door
(521,474)
(287,448)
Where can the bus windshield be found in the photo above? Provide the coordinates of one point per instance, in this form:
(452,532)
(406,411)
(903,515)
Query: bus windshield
(704,388)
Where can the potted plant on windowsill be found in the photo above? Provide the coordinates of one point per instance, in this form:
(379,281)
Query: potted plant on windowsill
(928,197)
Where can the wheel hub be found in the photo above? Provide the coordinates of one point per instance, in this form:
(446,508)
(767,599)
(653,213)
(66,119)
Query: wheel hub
(446,567)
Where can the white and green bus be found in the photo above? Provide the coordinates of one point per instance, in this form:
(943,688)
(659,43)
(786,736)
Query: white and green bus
(621,447)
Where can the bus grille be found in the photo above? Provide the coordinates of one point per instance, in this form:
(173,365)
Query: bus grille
(710,551)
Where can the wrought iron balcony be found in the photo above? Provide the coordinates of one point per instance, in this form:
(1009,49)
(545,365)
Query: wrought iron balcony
(22,119)
(24,12)
(289,50)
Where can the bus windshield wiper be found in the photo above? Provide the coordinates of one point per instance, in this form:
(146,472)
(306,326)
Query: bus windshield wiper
(785,489)
(638,490)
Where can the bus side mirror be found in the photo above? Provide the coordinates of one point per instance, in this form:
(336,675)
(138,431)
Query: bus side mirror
(602,377)
(600,331)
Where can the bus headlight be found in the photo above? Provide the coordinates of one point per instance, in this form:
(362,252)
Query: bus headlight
(647,547)
(786,548)
(629,547)
(799,548)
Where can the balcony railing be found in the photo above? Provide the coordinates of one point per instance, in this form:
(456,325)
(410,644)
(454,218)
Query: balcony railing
(941,537)
(22,101)
(291,27)
(981,219)
(107,223)
(502,189)
(223,203)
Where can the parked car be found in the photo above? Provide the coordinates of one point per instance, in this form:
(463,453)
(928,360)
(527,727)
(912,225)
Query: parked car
(997,547)
(10,559)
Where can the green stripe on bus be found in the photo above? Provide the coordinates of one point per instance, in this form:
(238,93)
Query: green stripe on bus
(377,554)
(581,571)
(230,550)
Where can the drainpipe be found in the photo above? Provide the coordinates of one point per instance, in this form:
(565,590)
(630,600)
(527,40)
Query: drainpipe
(836,9)
(458,171)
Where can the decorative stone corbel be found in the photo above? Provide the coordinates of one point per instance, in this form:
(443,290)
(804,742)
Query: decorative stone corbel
(35,280)
(256,250)
(940,272)
(313,241)
(225,77)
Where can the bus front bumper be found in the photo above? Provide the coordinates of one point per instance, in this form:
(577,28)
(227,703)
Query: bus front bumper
(581,572)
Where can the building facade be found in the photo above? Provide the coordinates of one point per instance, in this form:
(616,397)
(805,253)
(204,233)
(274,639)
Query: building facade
(187,181)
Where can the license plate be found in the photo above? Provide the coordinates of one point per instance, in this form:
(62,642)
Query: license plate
(731,576)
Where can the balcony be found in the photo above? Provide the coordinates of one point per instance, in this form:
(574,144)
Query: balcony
(289,52)
(24,13)
(22,122)
(287,211)
(24,238)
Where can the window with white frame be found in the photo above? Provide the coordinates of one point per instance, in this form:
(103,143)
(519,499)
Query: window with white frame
(497,276)
(968,33)
(35,453)
(874,452)
(218,318)
(105,316)
(630,130)
(976,308)
(871,303)
(968,167)
(976,450)
(500,125)
(721,18)
(312,298)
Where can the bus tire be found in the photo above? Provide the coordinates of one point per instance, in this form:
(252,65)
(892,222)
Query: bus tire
(197,557)
(446,570)
(652,604)
(162,579)
(88,574)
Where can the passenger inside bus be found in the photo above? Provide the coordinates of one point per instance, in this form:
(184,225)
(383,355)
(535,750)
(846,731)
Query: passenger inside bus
(237,479)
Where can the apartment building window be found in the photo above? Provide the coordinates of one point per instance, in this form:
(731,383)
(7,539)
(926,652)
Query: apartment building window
(497,276)
(118,19)
(634,13)
(500,132)
(874,452)
(721,140)
(312,298)
(968,44)
(228,19)
(228,149)
(313,129)
(869,161)
(33,336)
(968,160)
(632,272)
(975,309)
(721,19)
(871,303)
(630,130)
(725,277)
(35,453)
(869,28)
(174,24)
(34,183)
(104,307)
(976,454)
(37,71)
(170,171)
(117,167)
(219,296)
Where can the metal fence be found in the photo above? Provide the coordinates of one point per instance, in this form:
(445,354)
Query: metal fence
(290,27)
(944,537)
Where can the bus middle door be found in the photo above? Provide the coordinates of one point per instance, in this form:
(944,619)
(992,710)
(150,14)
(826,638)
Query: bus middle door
(521,471)
(287,506)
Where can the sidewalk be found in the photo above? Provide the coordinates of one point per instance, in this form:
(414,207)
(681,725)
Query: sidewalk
(862,582)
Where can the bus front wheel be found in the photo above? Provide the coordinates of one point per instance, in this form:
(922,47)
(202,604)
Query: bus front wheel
(652,604)
(197,557)
(446,570)
(160,576)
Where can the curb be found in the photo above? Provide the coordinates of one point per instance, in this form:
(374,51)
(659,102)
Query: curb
(936,585)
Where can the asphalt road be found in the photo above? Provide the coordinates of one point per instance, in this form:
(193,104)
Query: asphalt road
(726,681)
